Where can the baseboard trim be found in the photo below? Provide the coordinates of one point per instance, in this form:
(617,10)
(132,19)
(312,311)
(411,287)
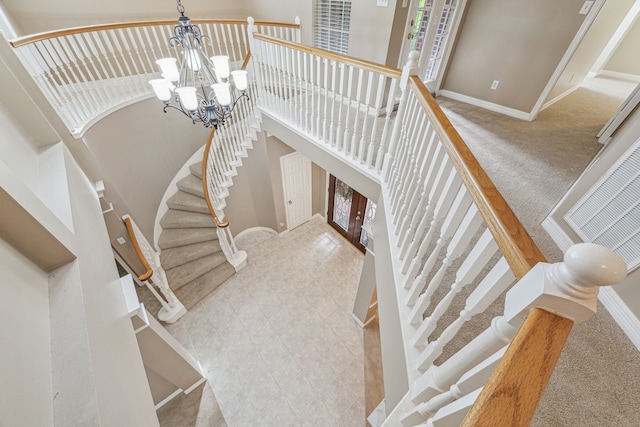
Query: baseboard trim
(252,229)
(559,97)
(196,384)
(621,76)
(624,317)
(557,234)
(168,399)
(497,108)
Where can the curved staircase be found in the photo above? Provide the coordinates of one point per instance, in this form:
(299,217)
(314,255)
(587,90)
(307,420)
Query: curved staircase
(190,252)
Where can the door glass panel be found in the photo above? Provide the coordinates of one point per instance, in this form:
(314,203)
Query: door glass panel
(342,201)
(369,213)
(420,26)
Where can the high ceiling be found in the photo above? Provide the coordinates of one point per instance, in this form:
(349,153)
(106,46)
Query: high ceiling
(33,16)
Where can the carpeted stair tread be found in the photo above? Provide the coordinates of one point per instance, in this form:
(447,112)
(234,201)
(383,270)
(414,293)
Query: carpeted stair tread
(196,169)
(185,273)
(188,202)
(192,185)
(173,257)
(184,219)
(194,291)
(175,237)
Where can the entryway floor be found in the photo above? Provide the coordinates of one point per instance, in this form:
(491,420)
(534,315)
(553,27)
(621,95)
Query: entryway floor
(277,341)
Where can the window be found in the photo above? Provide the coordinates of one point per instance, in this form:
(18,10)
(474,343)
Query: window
(332,25)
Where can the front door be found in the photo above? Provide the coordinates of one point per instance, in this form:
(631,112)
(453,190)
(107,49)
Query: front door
(349,211)
(431,22)
(296,178)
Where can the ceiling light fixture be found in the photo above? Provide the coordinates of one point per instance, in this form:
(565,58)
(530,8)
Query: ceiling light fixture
(203,89)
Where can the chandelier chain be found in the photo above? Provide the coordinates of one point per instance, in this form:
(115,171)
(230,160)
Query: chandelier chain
(180,7)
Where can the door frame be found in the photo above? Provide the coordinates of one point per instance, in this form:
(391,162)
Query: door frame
(308,199)
(359,204)
(430,34)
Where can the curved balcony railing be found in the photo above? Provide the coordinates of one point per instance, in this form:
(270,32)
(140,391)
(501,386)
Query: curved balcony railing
(89,72)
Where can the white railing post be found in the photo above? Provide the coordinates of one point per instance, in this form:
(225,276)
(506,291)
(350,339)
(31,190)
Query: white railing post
(410,69)
(298,38)
(238,259)
(172,309)
(567,289)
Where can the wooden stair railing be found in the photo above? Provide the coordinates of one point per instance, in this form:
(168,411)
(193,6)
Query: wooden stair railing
(154,276)
(89,72)
(441,208)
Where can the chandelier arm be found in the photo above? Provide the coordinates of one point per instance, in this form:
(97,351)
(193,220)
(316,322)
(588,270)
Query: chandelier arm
(179,108)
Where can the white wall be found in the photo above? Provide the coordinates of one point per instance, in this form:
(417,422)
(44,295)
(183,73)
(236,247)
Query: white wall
(25,358)
(17,150)
(626,60)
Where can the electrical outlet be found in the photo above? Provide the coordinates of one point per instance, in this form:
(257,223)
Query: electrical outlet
(586,7)
(495,84)
(121,240)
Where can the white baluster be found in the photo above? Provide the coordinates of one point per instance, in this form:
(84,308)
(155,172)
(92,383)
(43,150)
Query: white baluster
(464,231)
(419,201)
(454,215)
(411,68)
(468,383)
(334,97)
(415,180)
(339,97)
(477,259)
(347,121)
(354,135)
(373,138)
(492,286)
(385,130)
(438,379)
(325,87)
(443,192)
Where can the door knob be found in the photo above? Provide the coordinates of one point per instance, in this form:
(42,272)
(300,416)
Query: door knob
(358,216)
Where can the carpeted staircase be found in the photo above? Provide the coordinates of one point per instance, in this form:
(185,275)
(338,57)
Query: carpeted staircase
(190,251)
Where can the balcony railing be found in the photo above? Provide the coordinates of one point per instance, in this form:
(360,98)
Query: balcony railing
(88,72)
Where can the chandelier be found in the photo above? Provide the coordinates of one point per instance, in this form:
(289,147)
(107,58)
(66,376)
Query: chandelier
(203,89)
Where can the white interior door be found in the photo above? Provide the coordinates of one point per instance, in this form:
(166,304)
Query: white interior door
(296,179)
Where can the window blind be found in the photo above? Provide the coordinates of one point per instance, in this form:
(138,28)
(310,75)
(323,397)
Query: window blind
(332,25)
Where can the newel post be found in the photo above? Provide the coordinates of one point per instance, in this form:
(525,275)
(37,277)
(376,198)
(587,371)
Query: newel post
(410,69)
(297,31)
(552,297)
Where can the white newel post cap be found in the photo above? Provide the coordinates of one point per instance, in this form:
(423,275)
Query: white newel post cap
(410,69)
(569,288)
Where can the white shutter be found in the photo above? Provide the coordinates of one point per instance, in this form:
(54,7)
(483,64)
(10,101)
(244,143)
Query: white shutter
(609,213)
(332,25)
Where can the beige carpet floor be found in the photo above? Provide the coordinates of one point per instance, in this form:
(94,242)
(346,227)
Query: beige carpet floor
(533,164)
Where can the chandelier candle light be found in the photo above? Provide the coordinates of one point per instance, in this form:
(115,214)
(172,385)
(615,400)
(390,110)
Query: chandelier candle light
(201,89)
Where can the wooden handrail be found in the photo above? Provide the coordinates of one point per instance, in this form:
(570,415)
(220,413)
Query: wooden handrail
(205,186)
(349,60)
(21,41)
(149,272)
(512,393)
(514,241)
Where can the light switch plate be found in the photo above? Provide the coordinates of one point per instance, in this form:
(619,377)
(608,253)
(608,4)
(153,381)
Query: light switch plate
(383,3)
(586,7)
